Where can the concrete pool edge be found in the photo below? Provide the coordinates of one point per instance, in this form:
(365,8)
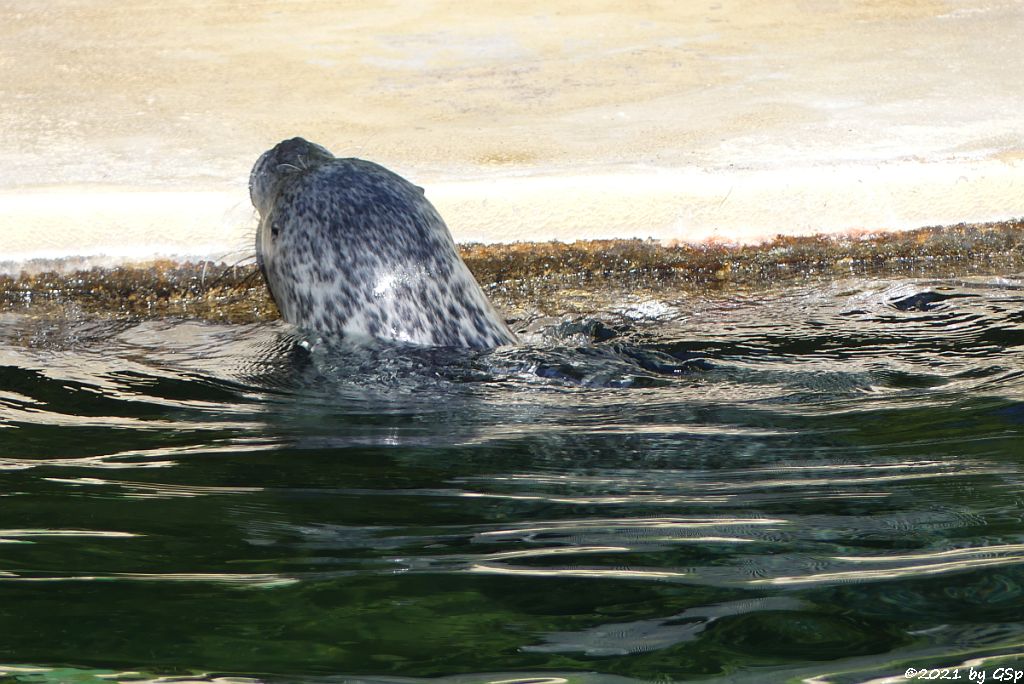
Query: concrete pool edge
(116,225)
(547,277)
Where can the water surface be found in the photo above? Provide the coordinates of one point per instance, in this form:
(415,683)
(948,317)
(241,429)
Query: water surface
(823,480)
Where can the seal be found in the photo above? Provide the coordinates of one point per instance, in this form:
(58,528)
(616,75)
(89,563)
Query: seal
(350,248)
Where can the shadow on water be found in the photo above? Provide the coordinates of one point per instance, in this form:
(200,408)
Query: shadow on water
(779,485)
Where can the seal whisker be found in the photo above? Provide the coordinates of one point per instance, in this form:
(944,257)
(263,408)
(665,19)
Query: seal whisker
(247,280)
(246,252)
(224,273)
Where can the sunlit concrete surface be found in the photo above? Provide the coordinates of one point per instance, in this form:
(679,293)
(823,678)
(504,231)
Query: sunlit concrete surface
(128,129)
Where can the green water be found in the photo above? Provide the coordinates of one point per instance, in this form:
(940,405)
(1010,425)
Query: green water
(823,481)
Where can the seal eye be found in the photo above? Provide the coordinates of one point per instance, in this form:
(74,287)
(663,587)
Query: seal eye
(275,228)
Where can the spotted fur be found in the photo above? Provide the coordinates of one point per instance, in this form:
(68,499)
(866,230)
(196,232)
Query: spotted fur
(350,248)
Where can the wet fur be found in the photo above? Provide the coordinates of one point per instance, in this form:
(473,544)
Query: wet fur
(350,248)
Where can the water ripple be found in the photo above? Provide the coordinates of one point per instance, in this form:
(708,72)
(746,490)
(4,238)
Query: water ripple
(820,483)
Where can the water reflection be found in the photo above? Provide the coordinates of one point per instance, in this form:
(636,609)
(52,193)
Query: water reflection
(810,483)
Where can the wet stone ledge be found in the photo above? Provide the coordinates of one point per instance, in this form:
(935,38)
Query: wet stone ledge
(548,278)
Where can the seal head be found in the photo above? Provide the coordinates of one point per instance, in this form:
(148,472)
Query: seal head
(350,248)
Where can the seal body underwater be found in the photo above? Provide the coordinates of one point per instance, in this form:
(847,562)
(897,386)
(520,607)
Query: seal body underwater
(350,248)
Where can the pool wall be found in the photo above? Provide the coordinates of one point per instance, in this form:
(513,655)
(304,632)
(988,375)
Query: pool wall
(130,130)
